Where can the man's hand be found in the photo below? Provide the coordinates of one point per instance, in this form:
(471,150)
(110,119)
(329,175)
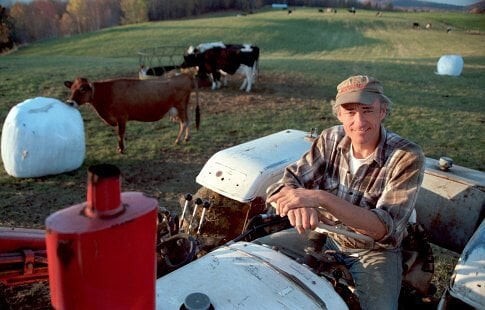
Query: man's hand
(292,198)
(299,204)
(303,218)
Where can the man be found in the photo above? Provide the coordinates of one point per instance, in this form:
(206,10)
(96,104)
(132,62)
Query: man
(360,175)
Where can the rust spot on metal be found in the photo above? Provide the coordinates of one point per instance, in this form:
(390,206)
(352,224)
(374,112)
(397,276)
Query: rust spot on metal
(65,251)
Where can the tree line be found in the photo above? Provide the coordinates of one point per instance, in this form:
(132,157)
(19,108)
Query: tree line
(43,19)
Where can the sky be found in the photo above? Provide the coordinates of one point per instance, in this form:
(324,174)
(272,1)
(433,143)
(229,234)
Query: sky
(455,2)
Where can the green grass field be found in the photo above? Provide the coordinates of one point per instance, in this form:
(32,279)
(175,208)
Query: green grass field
(444,114)
(303,57)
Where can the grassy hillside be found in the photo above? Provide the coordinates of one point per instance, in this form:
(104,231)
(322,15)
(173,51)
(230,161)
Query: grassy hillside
(303,57)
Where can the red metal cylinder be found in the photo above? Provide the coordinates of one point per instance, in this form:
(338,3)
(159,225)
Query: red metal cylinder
(104,188)
(101,253)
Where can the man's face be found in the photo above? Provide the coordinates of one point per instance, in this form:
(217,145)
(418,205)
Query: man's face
(362,122)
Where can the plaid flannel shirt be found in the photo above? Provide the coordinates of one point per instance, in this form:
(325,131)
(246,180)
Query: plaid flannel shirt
(388,186)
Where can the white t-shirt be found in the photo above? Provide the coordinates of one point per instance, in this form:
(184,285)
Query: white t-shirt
(355,163)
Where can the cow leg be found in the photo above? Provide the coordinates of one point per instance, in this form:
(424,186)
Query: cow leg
(184,120)
(174,116)
(242,71)
(247,78)
(214,84)
(216,81)
(254,72)
(187,131)
(224,77)
(121,137)
(244,84)
(183,127)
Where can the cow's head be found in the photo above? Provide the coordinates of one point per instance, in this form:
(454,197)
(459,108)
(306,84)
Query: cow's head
(191,58)
(81,91)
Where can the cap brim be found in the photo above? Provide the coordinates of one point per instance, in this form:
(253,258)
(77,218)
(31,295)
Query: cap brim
(360,97)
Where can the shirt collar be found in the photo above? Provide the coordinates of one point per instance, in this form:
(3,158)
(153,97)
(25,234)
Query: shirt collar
(379,154)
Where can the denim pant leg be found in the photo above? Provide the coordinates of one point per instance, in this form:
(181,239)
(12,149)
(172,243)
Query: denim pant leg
(377,276)
(288,241)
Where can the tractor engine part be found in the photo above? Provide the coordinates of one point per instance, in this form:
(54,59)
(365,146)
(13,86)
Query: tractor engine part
(23,258)
(101,253)
(223,221)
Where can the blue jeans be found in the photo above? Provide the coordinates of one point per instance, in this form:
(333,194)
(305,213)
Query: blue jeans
(377,274)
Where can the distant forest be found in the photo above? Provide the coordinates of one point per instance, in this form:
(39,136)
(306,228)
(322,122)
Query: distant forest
(42,19)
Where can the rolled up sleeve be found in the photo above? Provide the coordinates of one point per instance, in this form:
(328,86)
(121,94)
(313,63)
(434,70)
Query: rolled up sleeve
(396,204)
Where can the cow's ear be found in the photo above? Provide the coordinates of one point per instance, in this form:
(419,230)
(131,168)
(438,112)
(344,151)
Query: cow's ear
(68,84)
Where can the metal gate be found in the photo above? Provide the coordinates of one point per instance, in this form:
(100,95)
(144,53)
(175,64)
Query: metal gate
(161,56)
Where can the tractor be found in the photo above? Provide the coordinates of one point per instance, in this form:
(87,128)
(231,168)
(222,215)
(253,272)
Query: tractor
(205,256)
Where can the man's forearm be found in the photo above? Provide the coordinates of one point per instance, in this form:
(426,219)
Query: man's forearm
(361,220)
(357,218)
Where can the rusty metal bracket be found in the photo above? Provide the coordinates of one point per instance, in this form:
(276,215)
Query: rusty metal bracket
(23,267)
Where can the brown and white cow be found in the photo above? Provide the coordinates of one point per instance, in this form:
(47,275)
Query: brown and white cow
(118,101)
(218,58)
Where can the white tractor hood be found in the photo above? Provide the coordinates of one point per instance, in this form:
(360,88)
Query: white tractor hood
(243,172)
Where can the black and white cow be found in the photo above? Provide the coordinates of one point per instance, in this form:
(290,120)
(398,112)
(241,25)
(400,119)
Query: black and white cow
(216,59)
(153,72)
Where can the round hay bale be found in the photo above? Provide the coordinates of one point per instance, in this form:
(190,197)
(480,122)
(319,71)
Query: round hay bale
(42,136)
(450,65)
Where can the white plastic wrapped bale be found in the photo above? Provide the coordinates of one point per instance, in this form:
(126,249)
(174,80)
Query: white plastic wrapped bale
(450,65)
(42,136)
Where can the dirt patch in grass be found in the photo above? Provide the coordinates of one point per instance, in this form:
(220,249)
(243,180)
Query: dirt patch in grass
(28,296)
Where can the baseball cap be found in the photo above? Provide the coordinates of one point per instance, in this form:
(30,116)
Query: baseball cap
(360,89)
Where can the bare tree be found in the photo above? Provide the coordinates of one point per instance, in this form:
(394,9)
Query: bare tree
(90,15)
(68,24)
(104,13)
(111,13)
(47,18)
(22,15)
(78,12)
(6,30)
(134,11)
